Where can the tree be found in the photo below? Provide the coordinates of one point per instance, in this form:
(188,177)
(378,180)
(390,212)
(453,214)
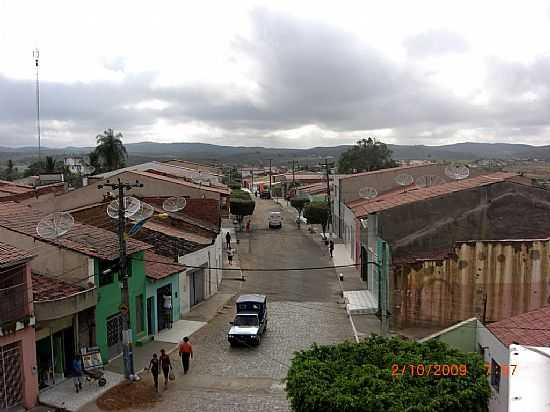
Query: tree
(10,172)
(299,203)
(110,151)
(93,157)
(375,375)
(318,213)
(241,204)
(51,165)
(366,156)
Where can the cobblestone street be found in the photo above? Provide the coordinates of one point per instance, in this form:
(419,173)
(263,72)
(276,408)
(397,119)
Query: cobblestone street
(303,309)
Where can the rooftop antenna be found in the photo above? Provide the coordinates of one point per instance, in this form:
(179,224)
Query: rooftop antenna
(429,181)
(457,171)
(404,180)
(368,193)
(35,55)
(55,225)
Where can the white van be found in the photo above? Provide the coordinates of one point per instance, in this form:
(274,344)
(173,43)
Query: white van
(275,219)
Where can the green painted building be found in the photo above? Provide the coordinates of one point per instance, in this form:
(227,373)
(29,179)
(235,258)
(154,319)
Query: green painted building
(107,315)
(162,292)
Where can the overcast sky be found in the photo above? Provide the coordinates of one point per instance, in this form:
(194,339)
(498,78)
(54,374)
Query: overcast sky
(291,74)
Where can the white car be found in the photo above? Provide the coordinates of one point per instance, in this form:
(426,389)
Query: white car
(275,219)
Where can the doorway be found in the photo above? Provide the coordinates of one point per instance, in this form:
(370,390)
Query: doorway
(164,307)
(196,287)
(11,381)
(114,335)
(150,315)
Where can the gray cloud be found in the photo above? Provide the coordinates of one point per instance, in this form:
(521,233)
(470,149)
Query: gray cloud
(435,43)
(307,73)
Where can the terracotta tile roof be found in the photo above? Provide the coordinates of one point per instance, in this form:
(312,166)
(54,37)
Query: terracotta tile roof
(362,207)
(528,329)
(85,239)
(314,188)
(10,255)
(46,288)
(217,189)
(375,172)
(193,166)
(158,267)
(178,233)
(402,258)
(10,187)
(204,213)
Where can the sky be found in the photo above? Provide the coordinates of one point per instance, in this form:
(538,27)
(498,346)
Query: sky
(276,74)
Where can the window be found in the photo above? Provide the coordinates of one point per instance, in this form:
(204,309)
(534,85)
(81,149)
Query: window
(105,278)
(139,314)
(495,375)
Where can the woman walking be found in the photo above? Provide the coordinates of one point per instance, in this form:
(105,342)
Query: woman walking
(230,256)
(154,368)
(165,365)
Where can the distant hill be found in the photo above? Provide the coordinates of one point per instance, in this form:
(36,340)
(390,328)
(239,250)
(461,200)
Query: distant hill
(146,151)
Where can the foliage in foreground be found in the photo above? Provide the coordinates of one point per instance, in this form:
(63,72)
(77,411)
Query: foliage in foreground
(317,213)
(366,156)
(241,204)
(352,377)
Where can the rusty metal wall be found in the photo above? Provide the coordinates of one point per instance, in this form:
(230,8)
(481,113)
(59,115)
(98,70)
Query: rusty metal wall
(513,275)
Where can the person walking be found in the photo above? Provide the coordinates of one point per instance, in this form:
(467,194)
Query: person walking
(228,240)
(230,256)
(186,353)
(77,373)
(165,365)
(331,247)
(154,368)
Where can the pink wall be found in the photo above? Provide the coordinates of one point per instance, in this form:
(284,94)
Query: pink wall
(26,337)
(27,340)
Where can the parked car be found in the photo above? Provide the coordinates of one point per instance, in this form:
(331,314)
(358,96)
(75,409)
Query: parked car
(250,321)
(265,195)
(275,219)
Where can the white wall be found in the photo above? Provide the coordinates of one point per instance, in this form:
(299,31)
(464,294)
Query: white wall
(495,349)
(210,256)
(349,234)
(527,385)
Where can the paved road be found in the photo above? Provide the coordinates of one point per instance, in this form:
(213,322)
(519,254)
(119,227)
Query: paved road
(303,308)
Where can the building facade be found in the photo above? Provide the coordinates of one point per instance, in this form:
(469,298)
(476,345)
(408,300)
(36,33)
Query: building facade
(18,383)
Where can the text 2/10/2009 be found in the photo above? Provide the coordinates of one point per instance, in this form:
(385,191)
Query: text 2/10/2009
(430,369)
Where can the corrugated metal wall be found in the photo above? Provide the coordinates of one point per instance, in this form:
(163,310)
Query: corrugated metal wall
(513,275)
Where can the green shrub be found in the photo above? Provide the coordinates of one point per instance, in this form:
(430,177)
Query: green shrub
(354,377)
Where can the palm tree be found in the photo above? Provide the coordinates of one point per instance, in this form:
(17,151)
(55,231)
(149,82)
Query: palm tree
(51,165)
(110,150)
(93,157)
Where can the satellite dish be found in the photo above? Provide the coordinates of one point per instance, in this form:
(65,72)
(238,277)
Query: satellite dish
(368,192)
(404,180)
(131,206)
(457,171)
(55,225)
(174,204)
(429,181)
(144,212)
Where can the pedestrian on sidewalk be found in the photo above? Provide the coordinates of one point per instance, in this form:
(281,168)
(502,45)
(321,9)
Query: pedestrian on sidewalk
(230,256)
(165,365)
(154,368)
(77,373)
(248,226)
(186,353)
(331,247)
(228,240)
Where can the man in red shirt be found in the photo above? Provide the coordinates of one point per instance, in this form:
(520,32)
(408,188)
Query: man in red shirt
(186,352)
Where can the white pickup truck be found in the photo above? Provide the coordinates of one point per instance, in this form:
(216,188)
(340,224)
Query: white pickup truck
(275,219)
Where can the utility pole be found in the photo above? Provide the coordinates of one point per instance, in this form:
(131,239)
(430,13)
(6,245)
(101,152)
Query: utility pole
(127,352)
(35,55)
(270,193)
(329,201)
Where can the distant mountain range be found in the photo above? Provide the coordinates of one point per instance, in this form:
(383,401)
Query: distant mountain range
(146,151)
